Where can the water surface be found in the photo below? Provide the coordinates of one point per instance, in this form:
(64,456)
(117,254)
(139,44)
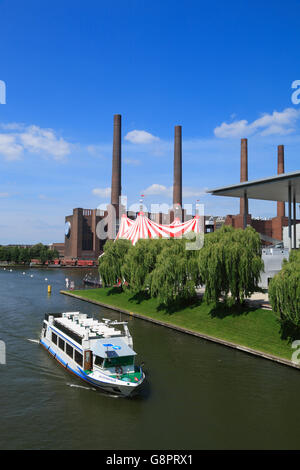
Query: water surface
(199,395)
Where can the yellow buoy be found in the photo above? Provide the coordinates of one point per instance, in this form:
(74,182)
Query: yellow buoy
(49,289)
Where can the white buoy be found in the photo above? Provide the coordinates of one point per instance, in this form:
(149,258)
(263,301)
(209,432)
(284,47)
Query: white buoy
(46,279)
(31,275)
(23,273)
(10,270)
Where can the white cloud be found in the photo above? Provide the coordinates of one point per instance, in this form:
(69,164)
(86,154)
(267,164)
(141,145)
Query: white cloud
(132,161)
(100,150)
(9,147)
(192,192)
(161,190)
(38,140)
(101,192)
(140,137)
(20,138)
(12,126)
(158,190)
(277,123)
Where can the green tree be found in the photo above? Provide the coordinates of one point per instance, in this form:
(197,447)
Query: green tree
(230,264)
(111,261)
(176,273)
(14,254)
(35,250)
(139,262)
(24,256)
(44,254)
(284,291)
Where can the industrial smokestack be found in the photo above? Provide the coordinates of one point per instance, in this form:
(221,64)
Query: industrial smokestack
(177,184)
(116,163)
(280,170)
(244,175)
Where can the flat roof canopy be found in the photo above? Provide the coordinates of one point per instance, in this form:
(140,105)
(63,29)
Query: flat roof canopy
(111,347)
(275,188)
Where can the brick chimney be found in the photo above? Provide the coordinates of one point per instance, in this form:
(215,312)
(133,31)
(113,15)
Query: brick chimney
(116,162)
(244,174)
(177,184)
(280,170)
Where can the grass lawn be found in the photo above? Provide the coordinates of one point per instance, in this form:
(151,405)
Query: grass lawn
(255,328)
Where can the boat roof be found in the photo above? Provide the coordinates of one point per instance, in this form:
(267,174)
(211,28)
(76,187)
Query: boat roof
(116,347)
(80,324)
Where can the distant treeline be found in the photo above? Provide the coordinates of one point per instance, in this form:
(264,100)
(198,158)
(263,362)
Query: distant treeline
(23,255)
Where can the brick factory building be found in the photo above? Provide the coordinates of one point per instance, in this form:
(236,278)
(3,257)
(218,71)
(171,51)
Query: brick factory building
(81,239)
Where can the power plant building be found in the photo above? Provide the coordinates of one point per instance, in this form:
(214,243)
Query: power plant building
(83,242)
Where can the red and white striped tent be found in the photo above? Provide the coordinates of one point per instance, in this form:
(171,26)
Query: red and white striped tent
(125,225)
(142,227)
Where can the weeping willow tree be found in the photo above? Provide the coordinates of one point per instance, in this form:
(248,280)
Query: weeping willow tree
(284,291)
(230,264)
(111,262)
(139,262)
(176,273)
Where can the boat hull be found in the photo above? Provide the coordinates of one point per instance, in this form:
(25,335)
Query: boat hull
(116,387)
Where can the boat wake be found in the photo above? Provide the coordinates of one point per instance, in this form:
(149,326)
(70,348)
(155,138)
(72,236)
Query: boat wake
(81,386)
(33,340)
(106,394)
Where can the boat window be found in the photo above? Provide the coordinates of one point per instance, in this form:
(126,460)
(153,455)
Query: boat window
(99,361)
(61,344)
(69,350)
(119,361)
(68,332)
(54,338)
(78,358)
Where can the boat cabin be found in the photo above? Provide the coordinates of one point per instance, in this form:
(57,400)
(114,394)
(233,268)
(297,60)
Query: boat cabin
(114,356)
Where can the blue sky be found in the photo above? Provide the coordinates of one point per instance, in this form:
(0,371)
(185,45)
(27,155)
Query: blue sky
(222,70)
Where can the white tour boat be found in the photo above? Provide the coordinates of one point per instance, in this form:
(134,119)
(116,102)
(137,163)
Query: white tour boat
(97,352)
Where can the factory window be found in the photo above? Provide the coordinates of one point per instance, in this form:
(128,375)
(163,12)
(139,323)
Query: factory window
(78,358)
(69,350)
(87,236)
(61,344)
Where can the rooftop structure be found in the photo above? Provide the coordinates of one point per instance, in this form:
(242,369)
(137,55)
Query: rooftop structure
(284,187)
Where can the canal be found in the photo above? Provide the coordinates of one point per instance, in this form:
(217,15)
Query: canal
(199,395)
